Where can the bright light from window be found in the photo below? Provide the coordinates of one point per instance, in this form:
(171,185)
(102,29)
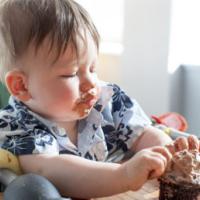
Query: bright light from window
(108,16)
(185,34)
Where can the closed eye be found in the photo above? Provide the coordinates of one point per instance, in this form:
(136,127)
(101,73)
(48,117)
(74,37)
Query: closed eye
(93,69)
(69,76)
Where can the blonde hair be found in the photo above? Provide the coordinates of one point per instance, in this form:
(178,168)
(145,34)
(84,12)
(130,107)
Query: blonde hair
(30,21)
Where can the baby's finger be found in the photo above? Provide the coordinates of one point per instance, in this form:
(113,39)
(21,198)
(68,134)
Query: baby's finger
(171,147)
(193,142)
(181,143)
(158,165)
(164,151)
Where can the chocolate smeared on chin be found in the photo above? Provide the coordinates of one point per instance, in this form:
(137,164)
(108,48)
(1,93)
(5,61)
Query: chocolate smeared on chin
(83,106)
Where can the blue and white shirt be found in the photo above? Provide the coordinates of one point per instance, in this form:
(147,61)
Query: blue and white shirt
(106,134)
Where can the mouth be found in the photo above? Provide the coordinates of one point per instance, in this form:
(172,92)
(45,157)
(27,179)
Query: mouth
(88,98)
(86,102)
(90,101)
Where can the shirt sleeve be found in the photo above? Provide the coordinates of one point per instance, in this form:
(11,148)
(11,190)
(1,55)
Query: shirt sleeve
(36,141)
(128,122)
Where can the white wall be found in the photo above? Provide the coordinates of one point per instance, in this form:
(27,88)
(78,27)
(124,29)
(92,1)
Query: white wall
(109,67)
(142,68)
(184,52)
(144,61)
(185,32)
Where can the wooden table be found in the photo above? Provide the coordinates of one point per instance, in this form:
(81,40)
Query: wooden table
(149,192)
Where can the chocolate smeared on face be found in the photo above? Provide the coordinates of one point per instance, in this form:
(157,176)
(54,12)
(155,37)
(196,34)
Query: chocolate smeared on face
(86,101)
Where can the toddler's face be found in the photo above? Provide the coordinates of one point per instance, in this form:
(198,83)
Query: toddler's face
(67,89)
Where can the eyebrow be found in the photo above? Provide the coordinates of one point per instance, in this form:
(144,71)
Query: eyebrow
(64,62)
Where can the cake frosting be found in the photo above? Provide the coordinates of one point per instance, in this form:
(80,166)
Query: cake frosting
(184,168)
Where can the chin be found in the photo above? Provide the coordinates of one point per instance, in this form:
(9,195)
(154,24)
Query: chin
(68,119)
(76,115)
(83,116)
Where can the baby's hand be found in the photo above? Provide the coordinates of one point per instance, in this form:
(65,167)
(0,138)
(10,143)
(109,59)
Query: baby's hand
(182,143)
(146,164)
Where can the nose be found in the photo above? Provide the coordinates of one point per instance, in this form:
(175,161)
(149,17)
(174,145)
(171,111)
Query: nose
(87,84)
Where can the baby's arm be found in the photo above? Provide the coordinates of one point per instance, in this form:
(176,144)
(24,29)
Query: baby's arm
(75,176)
(82,178)
(151,136)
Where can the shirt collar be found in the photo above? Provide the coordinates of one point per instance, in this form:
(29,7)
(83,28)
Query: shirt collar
(94,117)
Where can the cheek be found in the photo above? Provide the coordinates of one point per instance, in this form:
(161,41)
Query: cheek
(59,92)
(66,92)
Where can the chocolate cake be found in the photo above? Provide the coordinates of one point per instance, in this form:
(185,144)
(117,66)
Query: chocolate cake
(181,181)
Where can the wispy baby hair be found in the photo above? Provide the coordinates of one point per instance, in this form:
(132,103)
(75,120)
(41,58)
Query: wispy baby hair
(30,21)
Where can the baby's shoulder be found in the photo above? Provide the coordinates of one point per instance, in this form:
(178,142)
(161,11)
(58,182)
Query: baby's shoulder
(7,112)
(8,119)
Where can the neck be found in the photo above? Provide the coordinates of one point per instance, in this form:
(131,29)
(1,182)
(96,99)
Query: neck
(68,125)
(71,129)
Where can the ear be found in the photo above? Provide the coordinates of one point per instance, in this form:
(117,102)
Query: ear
(17,84)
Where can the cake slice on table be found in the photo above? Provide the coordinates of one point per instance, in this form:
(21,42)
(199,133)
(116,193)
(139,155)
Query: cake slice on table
(181,181)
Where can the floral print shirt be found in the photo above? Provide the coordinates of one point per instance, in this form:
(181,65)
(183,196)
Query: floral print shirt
(106,134)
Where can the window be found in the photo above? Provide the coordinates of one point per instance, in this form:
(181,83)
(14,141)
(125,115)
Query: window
(185,34)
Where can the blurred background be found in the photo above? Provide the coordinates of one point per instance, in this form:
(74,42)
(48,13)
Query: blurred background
(151,48)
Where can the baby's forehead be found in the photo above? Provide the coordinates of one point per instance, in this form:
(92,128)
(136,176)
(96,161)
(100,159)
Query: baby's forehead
(49,53)
(74,52)
(50,50)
